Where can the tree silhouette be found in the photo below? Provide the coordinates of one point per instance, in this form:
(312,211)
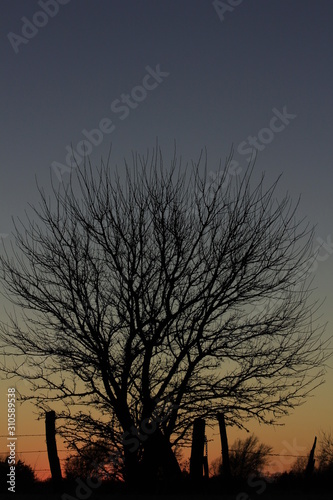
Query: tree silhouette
(25,477)
(247,457)
(93,460)
(145,299)
(325,455)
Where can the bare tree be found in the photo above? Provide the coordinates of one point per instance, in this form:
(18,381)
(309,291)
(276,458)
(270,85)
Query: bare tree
(299,466)
(325,458)
(247,457)
(93,460)
(25,477)
(140,296)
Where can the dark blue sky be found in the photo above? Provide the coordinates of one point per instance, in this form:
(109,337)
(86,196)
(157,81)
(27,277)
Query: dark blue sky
(225,78)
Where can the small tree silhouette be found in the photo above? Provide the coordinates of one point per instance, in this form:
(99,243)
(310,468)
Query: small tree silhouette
(325,456)
(96,460)
(299,466)
(247,456)
(25,477)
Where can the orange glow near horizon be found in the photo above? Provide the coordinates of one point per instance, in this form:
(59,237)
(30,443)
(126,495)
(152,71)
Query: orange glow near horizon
(294,438)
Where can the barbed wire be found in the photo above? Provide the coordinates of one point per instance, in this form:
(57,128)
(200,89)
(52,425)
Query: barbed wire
(62,451)
(253,452)
(21,435)
(31,451)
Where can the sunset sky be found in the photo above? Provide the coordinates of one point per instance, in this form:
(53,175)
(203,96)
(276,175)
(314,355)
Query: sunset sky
(201,73)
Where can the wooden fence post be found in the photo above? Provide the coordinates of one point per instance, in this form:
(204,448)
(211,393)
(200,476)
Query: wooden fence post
(226,473)
(197,452)
(205,461)
(52,449)
(311,460)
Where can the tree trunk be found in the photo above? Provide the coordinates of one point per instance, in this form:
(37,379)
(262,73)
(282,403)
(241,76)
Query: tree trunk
(159,462)
(131,468)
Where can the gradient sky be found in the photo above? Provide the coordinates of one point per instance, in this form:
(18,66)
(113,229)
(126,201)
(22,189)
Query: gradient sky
(225,76)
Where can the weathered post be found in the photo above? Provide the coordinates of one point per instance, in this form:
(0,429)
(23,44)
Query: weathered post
(52,449)
(197,452)
(226,474)
(311,461)
(205,460)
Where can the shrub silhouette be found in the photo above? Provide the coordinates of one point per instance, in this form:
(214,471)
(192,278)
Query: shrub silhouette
(93,459)
(25,477)
(325,458)
(247,456)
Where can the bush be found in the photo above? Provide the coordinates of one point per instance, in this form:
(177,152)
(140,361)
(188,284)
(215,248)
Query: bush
(94,459)
(246,457)
(325,457)
(25,477)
